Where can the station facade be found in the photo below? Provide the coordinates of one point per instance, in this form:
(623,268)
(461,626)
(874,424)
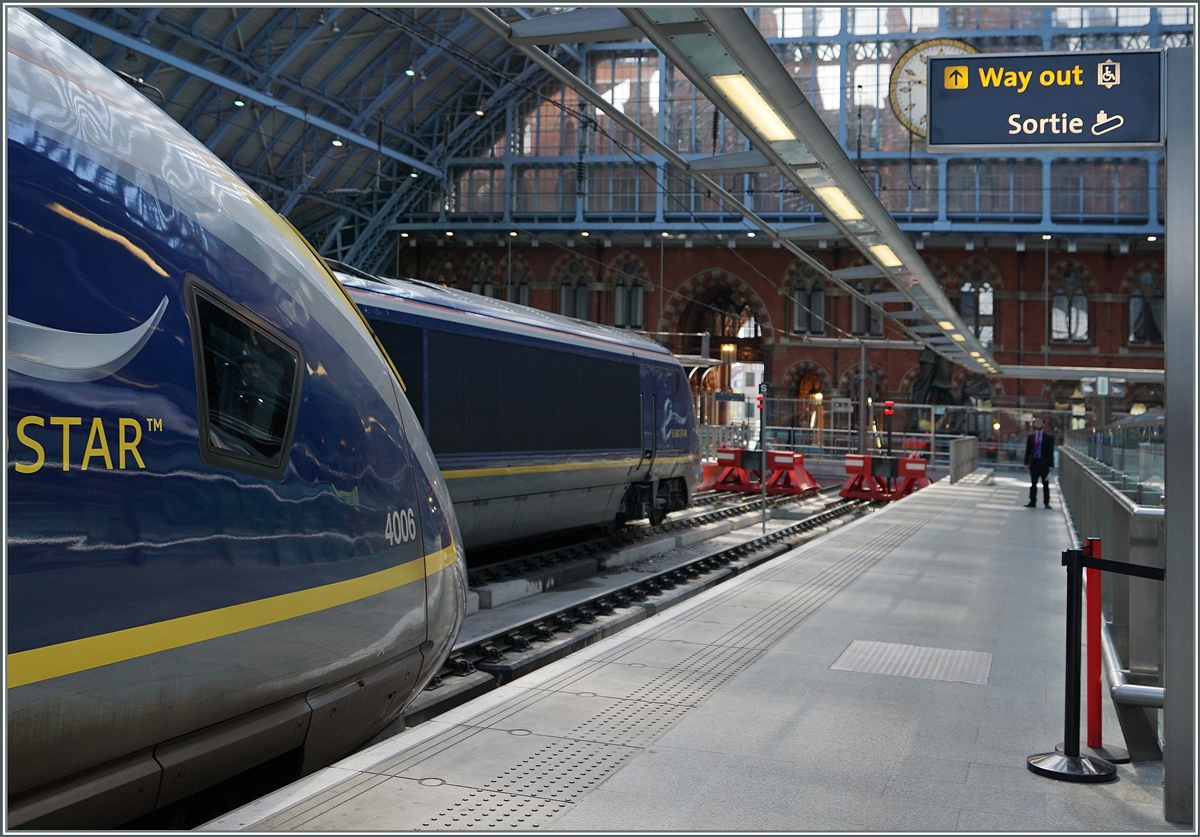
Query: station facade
(1103,309)
(1054,258)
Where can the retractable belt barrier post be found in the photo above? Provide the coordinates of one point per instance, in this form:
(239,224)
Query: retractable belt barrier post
(1095,671)
(1066,763)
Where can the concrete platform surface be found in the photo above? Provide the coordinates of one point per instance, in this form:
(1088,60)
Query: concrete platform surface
(892,675)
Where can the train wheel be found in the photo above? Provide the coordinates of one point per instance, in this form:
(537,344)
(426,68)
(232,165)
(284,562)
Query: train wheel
(657,516)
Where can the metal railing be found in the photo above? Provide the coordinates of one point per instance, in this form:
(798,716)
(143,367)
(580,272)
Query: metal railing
(1131,533)
(713,436)
(828,427)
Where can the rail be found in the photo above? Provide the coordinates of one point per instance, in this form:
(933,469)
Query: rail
(1133,642)
(1095,469)
(523,639)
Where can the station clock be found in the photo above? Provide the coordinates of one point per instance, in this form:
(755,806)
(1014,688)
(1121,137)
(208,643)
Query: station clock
(907,89)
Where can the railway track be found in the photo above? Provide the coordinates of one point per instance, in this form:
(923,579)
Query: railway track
(631,535)
(502,655)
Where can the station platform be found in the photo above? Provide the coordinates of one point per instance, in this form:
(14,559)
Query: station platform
(891,675)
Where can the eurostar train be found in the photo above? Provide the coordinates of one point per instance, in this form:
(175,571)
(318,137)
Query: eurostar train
(540,423)
(228,539)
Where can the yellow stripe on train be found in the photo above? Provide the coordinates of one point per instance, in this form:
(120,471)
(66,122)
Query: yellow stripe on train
(38,664)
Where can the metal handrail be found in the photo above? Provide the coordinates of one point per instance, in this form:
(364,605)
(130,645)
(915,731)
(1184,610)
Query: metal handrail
(1119,687)
(1132,508)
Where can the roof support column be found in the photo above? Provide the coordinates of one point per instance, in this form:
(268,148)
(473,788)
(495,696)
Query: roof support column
(1179,676)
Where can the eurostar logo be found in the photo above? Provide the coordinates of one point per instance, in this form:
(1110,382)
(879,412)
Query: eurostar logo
(670,417)
(51,354)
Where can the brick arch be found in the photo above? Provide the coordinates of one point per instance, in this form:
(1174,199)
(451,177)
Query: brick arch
(962,374)
(521,269)
(791,378)
(616,269)
(458,269)
(984,266)
(559,269)
(703,285)
(1131,278)
(1062,266)
(938,268)
(799,272)
(877,372)
(906,382)
(878,283)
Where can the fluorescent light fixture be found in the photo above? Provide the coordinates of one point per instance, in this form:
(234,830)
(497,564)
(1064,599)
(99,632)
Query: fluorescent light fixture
(836,199)
(750,235)
(1152,238)
(513,233)
(450,232)
(885,255)
(666,235)
(404,235)
(958,337)
(413,174)
(946,324)
(976,354)
(337,143)
(1046,237)
(479,113)
(238,103)
(410,73)
(585,233)
(738,89)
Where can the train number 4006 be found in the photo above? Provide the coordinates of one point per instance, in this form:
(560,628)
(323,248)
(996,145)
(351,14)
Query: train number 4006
(401,527)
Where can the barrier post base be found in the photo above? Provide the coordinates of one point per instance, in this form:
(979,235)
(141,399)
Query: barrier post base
(1116,755)
(1072,768)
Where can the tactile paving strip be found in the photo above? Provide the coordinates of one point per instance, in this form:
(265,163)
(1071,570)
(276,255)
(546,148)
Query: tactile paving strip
(916,661)
(562,770)
(631,722)
(482,810)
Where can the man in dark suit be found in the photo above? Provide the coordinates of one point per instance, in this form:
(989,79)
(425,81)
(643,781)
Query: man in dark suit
(1039,460)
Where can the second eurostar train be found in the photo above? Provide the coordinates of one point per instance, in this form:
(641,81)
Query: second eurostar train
(540,423)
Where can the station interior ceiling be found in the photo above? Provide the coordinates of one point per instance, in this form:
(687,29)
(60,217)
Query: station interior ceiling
(366,126)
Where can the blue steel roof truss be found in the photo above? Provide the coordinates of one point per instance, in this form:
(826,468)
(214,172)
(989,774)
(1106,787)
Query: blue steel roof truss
(349,67)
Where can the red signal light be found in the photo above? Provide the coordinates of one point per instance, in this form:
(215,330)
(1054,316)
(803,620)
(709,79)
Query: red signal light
(760,402)
(887,408)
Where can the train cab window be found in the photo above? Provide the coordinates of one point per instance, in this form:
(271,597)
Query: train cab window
(248,381)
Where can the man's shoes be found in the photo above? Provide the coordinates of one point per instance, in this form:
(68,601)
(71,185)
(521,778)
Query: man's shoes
(1031,505)
(1049,506)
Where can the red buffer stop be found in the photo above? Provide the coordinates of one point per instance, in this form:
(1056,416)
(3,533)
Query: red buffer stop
(740,470)
(883,478)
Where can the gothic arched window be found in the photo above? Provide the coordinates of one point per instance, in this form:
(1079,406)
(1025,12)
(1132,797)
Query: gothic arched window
(808,309)
(629,298)
(1146,310)
(573,300)
(1069,317)
(977,306)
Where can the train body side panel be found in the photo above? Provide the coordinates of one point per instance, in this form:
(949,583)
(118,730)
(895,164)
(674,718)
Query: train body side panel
(148,540)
